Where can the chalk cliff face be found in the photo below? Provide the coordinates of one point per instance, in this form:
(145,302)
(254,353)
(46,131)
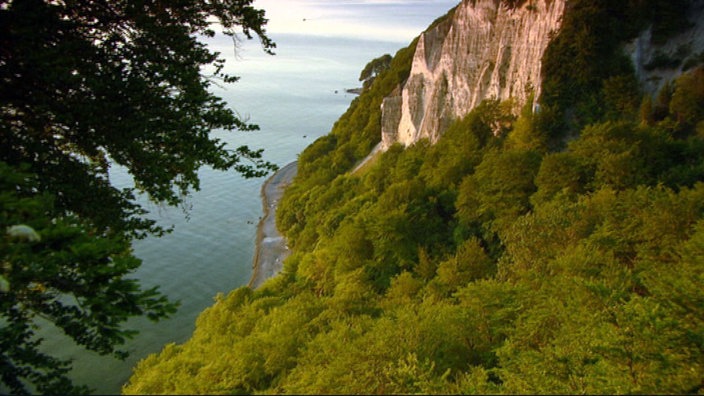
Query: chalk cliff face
(485,50)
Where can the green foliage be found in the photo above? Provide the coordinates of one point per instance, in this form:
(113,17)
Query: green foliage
(358,130)
(373,69)
(498,191)
(526,133)
(57,267)
(586,77)
(687,103)
(616,335)
(470,263)
(621,96)
(83,86)
(622,156)
(149,108)
(585,74)
(487,263)
(559,173)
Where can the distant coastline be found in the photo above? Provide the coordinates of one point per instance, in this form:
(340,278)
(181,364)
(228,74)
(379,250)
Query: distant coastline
(271,250)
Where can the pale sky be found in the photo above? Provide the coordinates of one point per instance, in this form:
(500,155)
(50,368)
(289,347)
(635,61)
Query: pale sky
(388,20)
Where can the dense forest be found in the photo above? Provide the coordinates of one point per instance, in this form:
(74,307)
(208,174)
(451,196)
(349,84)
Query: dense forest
(550,251)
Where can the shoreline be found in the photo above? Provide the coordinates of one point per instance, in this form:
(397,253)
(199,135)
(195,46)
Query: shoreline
(270,250)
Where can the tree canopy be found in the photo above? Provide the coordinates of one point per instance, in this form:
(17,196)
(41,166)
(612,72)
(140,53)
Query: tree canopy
(373,69)
(85,85)
(522,271)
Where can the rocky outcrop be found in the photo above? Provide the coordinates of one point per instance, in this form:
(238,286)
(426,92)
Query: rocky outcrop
(657,64)
(484,50)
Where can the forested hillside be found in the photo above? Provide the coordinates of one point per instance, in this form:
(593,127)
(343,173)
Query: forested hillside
(557,251)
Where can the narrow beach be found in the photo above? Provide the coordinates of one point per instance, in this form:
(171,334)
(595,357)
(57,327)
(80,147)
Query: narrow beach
(271,250)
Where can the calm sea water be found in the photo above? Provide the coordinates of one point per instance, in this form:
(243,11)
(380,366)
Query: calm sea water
(295,97)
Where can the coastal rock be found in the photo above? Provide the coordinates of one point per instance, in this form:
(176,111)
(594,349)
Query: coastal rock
(484,50)
(657,64)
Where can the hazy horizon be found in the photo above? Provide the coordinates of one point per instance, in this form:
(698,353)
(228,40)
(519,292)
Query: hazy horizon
(386,20)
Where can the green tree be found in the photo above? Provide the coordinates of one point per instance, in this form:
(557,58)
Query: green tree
(459,151)
(57,267)
(525,134)
(404,288)
(559,172)
(373,69)
(582,57)
(621,96)
(624,155)
(646,110)
(499,190)
(85,85)
(469,264)
(687,105)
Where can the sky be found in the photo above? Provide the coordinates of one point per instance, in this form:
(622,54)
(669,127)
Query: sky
(387,20)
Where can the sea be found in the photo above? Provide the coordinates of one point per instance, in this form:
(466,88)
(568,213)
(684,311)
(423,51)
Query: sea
(295,97)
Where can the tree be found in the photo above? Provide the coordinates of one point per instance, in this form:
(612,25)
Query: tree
(470,263)
(373,69)
(525,134)
(85,85)
(687,104)
(559,172)
(499,191)
(56,268)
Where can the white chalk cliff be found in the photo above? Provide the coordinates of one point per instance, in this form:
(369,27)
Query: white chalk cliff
(484,50)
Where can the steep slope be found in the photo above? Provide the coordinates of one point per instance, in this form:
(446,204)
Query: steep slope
(487,49)
(656,64)
(487,263)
